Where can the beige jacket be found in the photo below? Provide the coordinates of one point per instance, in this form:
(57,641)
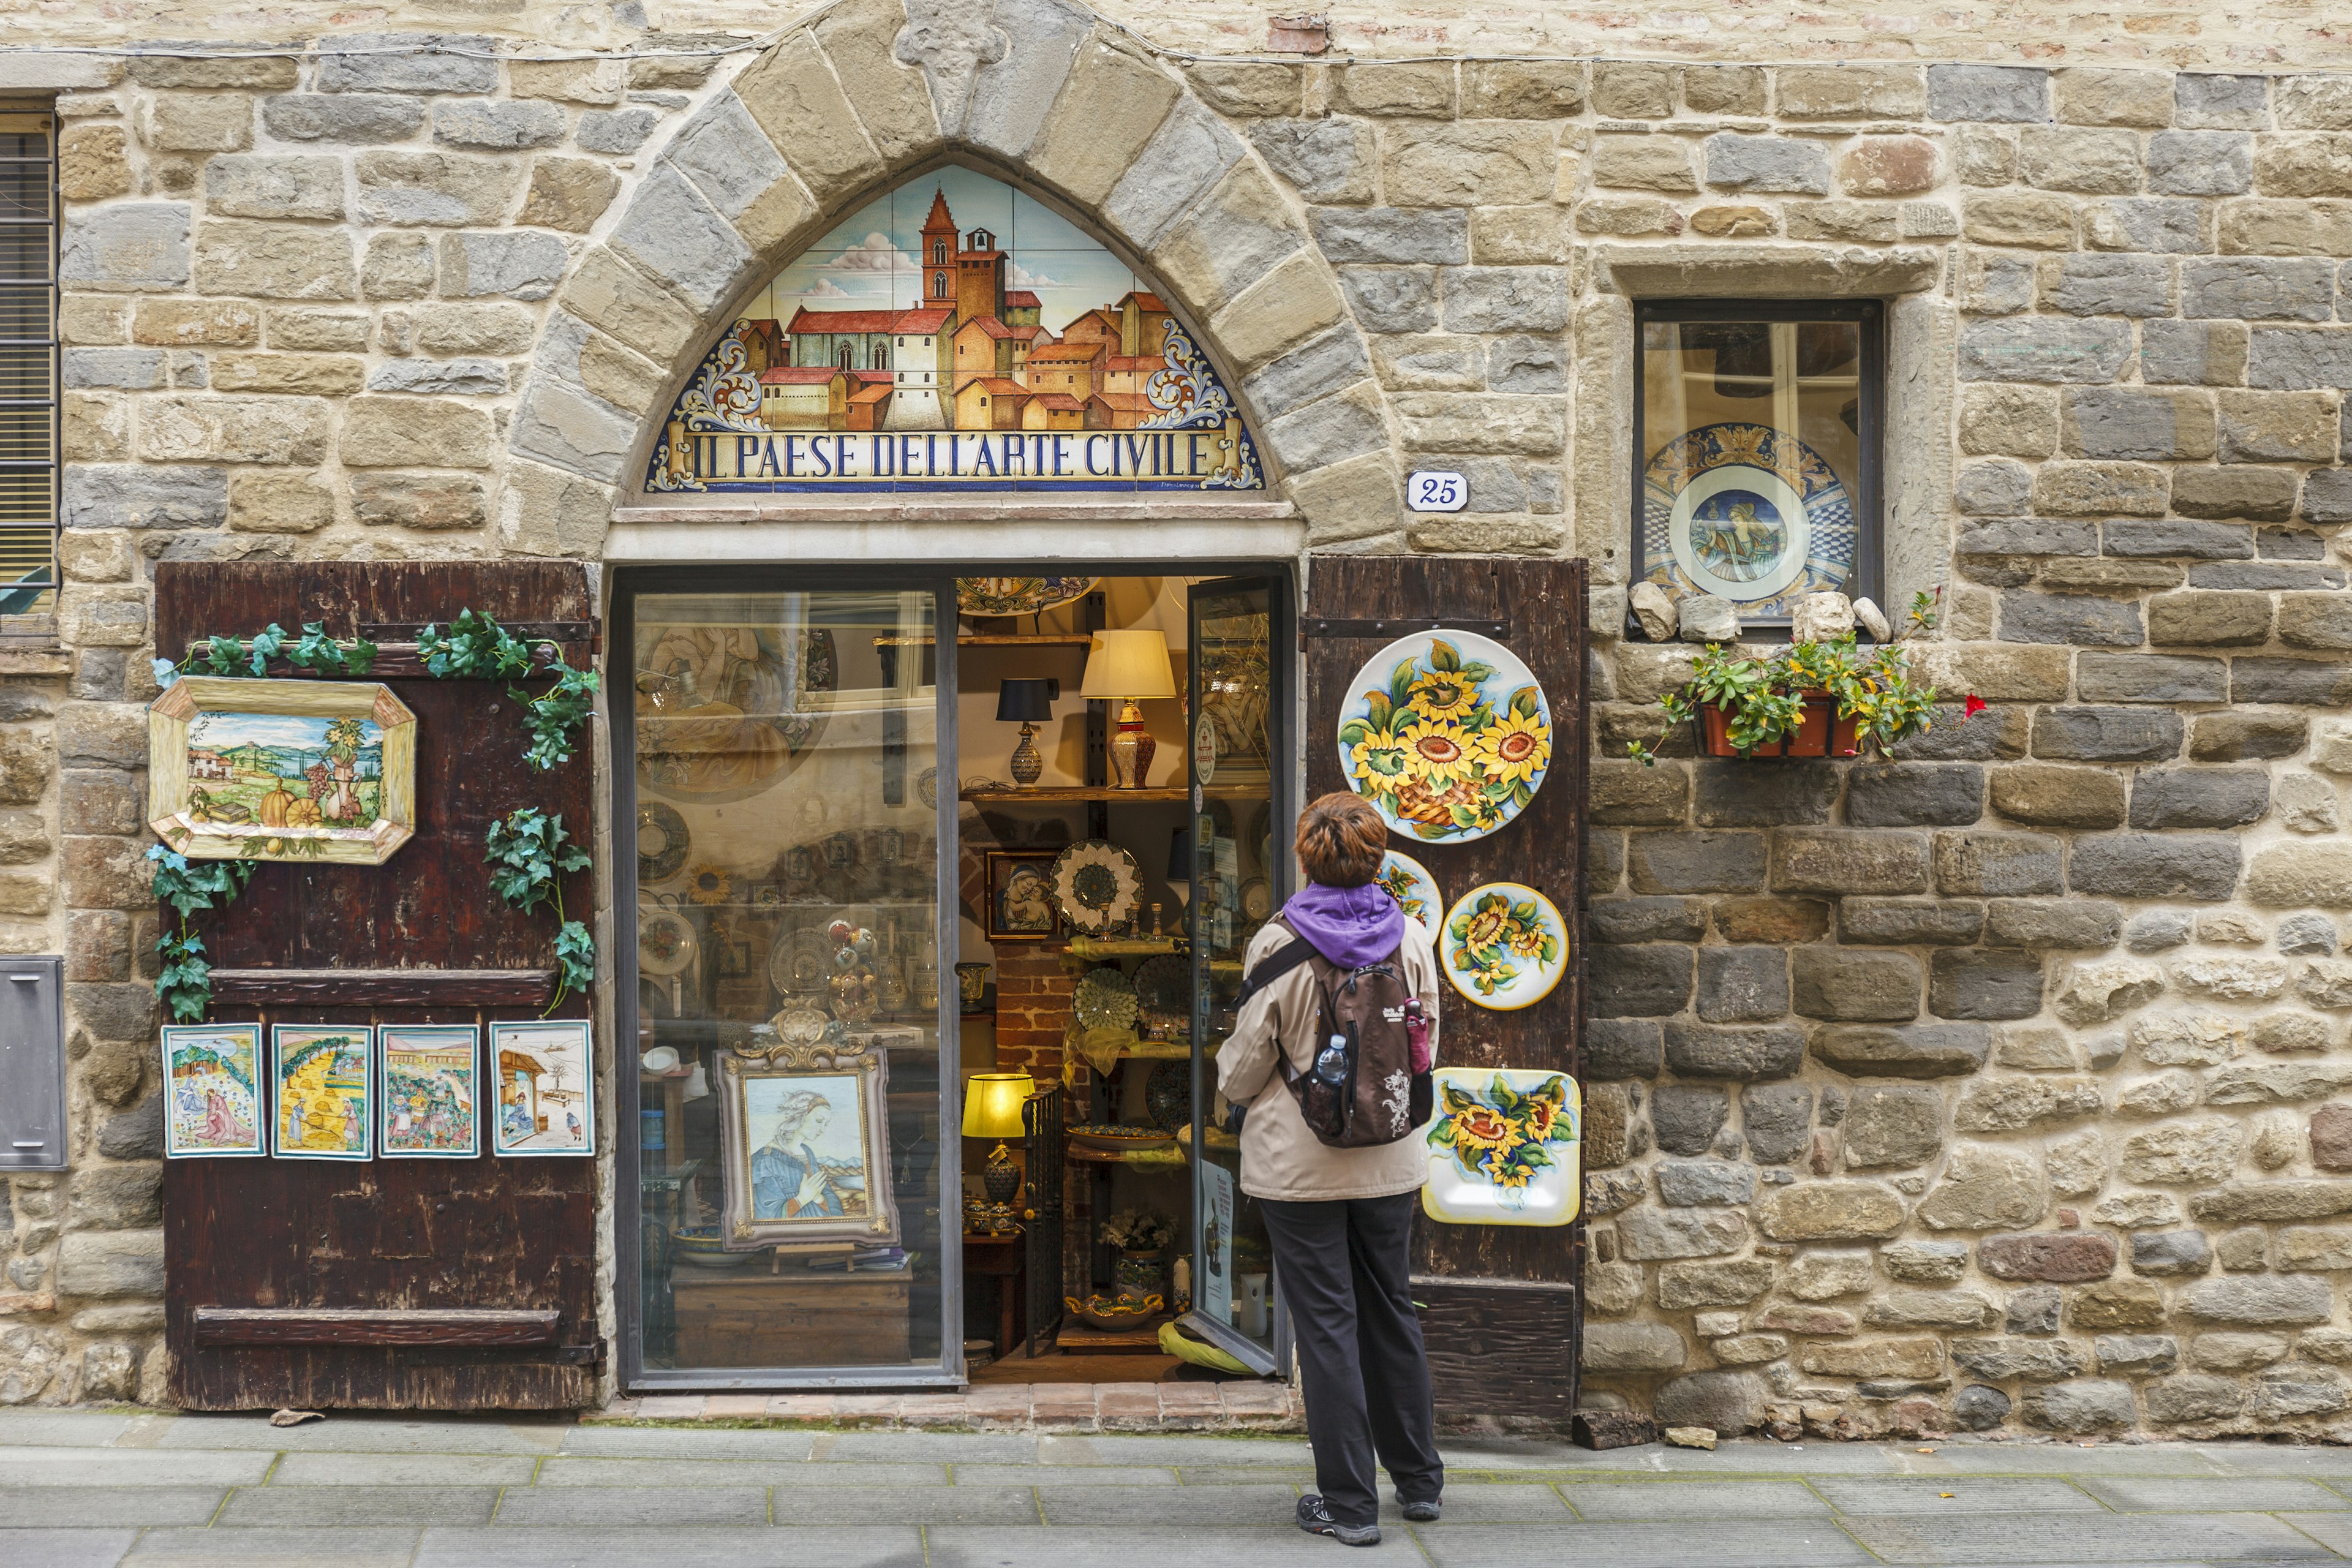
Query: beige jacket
(1281,1158)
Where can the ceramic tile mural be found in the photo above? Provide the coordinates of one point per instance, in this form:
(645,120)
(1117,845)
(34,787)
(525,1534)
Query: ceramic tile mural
(955,334)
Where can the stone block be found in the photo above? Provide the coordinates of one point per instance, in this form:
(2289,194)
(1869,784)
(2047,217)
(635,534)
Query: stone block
(1996,284)
(1930,1310)
(1645,980)
(619,132)
(1744,1054)
(1633,1347)
(2294,359)
(2310,682)
(1329,160)
(2106,734)
(1686,1118)
(568,194)
(2149,677)
(1829,860)
(408,62)
(2024,1360)
(429,501)
(1472,162)
(133,246)
(2192,353)
(2259,226)
(2052,795)
(1698,1183)
(1830,1211)
(495,125)
(434,189)
(1738,984)
(2199,797)
(279,503)
(1770,919)
(2132,423)
(1651,1234)
(2230,102)
(1888,166)
(2288,876)
(1505,299)
(1908,922)
(397,266)
(2091,162)
(2136,97)
(1984,1187)
(2003,865)
(674,234)
(1695,862)
(2065,1259)
(2026,222)
(271,187)
(355,119)
(2265,1302)
(1915,794)
(414,432)
(2044,350)
(2106,489)
(2163,224)
(1642,162)
(1523,89)
(2076,619)
(2037,923)
(1739,793)
(2322,622)
(197,427)
(1617,1049)
(100,1264)
(1849,986)
(2085,1405)
(1766,164)
(1891,1125)
(2307,935)
(1996,93)
(1984,984)
(2017,421)
(1912,1051)
(1776,1117)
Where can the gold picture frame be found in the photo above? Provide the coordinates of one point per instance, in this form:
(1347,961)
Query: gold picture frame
(1019,892)
(804,1146)
(281,769)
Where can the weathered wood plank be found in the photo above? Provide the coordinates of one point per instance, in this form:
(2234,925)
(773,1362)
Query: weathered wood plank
(372,1326)
(384,987)
(1501,1348)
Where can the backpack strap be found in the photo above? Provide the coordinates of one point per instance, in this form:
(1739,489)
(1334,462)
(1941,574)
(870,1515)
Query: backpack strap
(1276,964)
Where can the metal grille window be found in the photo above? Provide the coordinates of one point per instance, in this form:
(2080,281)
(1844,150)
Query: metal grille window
(28,375)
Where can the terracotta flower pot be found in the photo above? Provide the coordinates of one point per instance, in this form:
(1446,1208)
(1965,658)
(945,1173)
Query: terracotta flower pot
(1820,733)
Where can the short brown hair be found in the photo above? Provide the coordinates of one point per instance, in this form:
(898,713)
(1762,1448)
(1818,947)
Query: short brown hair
(1341,839)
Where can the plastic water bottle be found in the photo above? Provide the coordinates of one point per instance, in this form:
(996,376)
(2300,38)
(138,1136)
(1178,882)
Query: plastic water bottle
(1332,1062)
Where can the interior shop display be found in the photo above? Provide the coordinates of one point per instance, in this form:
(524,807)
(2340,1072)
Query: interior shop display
(1105,999)
(1505,946)
(1128,668)
(1408,882)
(1115,1312)
(666,942)
(1028,703)
(1095,886)
(428,1091)
(1019,595)
(663,842)
(1020,890)
(212,1097)
(805,1145)
(991,1108)
(1448,732)
(281,769)
(972,987)
(850,987)
(322,1091)
(546,1084)
(724,709)
(1503,1149)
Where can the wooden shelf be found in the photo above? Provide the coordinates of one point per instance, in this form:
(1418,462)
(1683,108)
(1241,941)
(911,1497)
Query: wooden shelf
(1064,794)
(1007,639)
(383,987)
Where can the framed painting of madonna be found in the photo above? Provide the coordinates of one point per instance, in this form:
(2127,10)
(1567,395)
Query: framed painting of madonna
(804,1148)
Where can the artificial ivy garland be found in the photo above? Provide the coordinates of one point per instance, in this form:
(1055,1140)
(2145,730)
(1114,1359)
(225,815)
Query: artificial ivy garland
(529,847)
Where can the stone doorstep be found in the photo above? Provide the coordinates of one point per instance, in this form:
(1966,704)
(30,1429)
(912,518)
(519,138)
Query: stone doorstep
(1056,1406)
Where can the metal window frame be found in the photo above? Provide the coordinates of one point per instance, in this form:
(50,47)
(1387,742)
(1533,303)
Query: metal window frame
(630,584)
(40,628)
(1869,578)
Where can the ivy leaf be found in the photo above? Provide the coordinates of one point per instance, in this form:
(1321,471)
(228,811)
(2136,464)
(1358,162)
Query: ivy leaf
(167,672)
(223,655)
(267,644)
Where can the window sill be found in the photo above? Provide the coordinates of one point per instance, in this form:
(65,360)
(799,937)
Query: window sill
(46,659)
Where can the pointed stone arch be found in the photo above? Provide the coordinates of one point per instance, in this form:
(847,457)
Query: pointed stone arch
(1040,93)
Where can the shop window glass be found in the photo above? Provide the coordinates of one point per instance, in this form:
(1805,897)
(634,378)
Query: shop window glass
(788,1112)
(1755,453)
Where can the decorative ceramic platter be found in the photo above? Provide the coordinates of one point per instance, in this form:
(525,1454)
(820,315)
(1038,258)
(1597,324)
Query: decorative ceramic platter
(665,943)
(799,961)
(1408,882)
(663,842)
(1503,946)
(1503,1148)
(1096,885)
(1163,983)
(1447,734)
(1747,513)
(1258,899)
(1018,596)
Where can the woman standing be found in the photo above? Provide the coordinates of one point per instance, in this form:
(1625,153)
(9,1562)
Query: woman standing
(1340,1219)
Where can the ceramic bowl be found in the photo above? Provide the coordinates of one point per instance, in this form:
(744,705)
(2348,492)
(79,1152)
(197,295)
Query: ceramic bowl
(700,1245)
(1114,1312)
(661,1058)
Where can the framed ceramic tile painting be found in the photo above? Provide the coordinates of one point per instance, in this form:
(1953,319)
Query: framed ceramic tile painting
(281,769)
(805,1148)
(428,1083)
(544,1088)
(323,1092)
(212,1103)
(1503,1149)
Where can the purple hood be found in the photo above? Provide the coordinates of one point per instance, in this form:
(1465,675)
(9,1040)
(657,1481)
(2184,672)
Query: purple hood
(1351,926)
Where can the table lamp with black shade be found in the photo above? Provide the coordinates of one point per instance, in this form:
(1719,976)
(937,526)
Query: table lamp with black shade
(1028,703)
(991,1108)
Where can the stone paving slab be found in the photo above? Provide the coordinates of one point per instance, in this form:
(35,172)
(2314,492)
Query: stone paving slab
(685,1443)
(694,1506)
(2082,1538)
(1693,1499)
(1146,1507)
(1287,1546)
(404,1470)
(2239,1494)
(943,1448)
(64,1547)
(34,1467)
(570,1472)
(344,1506)
(965,1504)
(1749,1543)
(1954,1495)
(2057,1460)
(343,1432)
(1065,1476)
(65,1506)
(219,1548)
(65,1429)
(878,1546)
(1489,1505)
(2333,1530)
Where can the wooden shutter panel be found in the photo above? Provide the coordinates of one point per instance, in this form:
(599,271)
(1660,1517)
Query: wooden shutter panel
(1501,1306)
(430,1283)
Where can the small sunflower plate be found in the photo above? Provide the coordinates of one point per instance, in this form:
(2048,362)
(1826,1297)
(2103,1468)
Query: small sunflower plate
(1096,885)
(1503,946)
(1408,882)
(1448,733)
(666,943)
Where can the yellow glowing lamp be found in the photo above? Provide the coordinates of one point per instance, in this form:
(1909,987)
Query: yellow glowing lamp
(991,1108)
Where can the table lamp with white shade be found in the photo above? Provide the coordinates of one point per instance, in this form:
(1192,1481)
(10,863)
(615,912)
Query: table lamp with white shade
(1128,668)
(991,1108)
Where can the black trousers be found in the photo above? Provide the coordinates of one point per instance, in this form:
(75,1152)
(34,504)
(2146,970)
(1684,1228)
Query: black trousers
(1343,1271)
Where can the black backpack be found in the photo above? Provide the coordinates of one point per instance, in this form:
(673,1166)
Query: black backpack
(1373,1096)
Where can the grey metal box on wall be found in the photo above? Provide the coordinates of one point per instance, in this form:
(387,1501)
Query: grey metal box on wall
(32,1064)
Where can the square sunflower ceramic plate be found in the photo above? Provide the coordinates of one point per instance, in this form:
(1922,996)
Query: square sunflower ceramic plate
(1447,734)
(1503,1148)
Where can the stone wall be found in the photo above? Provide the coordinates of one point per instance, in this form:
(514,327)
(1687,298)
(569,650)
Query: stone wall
(1997,1085)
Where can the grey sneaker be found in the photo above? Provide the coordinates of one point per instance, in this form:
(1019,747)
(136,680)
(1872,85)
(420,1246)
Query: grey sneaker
(1424,1511)
(1316,1519)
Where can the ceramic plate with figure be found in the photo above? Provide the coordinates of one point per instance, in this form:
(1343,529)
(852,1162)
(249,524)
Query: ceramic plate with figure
(212,1103)
(1408,882)
(1746,513)
(1503,946)
(323,1092)
(1503,1147)
(804,1150)
(545,1086)
(1447,734)
(428,1091)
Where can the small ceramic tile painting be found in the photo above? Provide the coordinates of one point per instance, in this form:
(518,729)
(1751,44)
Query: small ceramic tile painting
(544,1088)
(321,1073)
(1503,1148)
(212,1105)
(430,1089)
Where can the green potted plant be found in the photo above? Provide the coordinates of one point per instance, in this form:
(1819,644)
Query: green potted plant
(1141,1236)
(1808,699)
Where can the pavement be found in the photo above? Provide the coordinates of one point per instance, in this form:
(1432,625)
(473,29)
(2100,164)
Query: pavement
(94,1488)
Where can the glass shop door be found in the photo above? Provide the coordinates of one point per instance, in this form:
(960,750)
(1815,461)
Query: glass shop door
(780,738)
(1241,809)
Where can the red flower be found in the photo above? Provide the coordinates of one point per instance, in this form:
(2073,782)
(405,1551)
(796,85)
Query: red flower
(1974,706)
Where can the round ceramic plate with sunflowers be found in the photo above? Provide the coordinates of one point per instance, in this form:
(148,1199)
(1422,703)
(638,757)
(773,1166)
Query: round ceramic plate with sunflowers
(1408,882)
(1503,946)
(1448,733)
